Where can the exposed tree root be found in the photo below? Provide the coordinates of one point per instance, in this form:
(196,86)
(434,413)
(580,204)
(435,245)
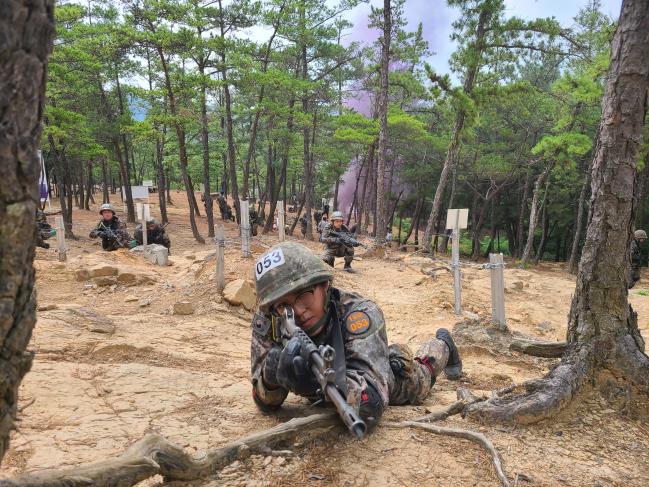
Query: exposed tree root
(537,348)
(479,438)
(455,408)
(154,455)
(543,399)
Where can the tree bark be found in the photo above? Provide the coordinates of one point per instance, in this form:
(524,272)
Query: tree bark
(379,217)
(104,176)
(27,28)
(534,213)
(205,139)
(520,231)
(602,327)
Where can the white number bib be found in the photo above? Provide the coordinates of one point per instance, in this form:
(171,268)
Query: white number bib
(269,261)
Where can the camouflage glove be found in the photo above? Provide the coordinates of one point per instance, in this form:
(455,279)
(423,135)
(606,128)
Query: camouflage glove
(269,370)
(94,233)
(293,371)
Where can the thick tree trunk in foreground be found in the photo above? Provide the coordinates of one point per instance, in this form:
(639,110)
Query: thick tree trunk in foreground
(602,328)
(27,28)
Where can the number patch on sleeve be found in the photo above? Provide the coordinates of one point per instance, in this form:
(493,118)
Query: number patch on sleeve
(269,261)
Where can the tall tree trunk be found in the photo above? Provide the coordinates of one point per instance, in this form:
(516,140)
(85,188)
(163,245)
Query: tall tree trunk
(545,223)
(206,154)
(602,327)
(25,44)
(89,185)
(418,207)
(232,163)
(534,213)
(182,148)
(520,228)
(379,217)
(450,161)
(104,177)
(579,224)
(127,167)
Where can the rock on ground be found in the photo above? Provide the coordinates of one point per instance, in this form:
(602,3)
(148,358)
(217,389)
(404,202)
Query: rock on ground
(240,292)
(183,308)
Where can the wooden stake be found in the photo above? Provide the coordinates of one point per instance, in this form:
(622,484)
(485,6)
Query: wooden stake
(245,228)
(220,258)
(60,238)
(280,222)
(457,275)
(497,264)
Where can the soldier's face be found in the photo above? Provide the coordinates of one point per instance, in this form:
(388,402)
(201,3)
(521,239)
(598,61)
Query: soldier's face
(107,215)
(308,305)
(338,224)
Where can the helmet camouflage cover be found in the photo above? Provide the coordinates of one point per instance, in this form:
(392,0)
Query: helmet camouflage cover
(287,268)
(640,234)
(106,207)
(337,215)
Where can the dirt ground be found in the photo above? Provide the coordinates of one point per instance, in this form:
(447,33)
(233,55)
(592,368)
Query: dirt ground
(112,363)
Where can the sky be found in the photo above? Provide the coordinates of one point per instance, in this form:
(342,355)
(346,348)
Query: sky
(436,18)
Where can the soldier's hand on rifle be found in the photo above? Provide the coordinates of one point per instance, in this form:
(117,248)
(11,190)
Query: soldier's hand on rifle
(269,370)
(293,371)
(94,233)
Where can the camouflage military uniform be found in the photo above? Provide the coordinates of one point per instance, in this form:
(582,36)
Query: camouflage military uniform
(254,217)
(43,230)
(113,234)
(636,263)
(223,207)
(303,224)
(371,383)
(334,247)
(155,234)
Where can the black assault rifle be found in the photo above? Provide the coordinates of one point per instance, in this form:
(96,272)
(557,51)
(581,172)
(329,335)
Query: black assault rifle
(108,233)
(320,361)
(347,239)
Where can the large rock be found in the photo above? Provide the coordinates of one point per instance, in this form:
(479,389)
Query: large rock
(240,292)
(157,254)
(134,278)
(183,308)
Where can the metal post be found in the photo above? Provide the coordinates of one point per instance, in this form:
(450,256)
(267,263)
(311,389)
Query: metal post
(220,258)
(280,222)
(60,238)
(245,228)
(497,264)
(455,264)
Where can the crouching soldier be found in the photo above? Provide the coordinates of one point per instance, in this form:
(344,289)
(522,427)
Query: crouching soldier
(111,230)
(155,234)
(369,373)
(639,237)
(334,243)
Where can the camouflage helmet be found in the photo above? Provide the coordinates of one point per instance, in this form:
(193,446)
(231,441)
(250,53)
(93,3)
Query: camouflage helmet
(106,207)
(287,268)
(337,215)
(640,234)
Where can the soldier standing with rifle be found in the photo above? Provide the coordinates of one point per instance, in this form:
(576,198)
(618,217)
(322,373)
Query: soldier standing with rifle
(339,241)
(329,345)
(111,230)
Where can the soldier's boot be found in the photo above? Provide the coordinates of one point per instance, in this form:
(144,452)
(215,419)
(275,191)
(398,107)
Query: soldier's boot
(348,263)
(329,260)
(453,369)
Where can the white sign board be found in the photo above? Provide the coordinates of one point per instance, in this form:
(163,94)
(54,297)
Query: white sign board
(138,193)
(143,211)
(148,183)
(457,218)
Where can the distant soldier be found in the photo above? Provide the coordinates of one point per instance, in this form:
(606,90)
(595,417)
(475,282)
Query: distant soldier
(317,217)
(335,245)
(323,223)
(111,230)
(223,206)
(639,237)
(303,223)
(254,217)
(155,234)
(43,230)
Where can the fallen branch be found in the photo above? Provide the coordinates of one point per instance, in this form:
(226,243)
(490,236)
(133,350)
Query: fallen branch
(479,438)
(155,455)
(455,408)
(538,349)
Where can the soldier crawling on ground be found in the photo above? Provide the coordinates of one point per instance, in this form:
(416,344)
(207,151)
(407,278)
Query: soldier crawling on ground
(111,230)
(335,244)
(155,234)
(639,237)
(370,374)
